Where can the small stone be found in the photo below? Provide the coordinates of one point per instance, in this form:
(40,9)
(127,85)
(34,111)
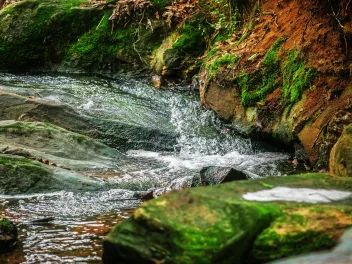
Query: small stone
(215,175)
(156,81)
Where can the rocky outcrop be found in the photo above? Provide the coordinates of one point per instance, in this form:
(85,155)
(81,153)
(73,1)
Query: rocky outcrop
(217,224)
(8,234)
(32,32)
(286,81)
(341,155)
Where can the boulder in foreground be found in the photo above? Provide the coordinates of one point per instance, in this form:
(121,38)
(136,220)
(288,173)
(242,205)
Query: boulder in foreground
(217,225)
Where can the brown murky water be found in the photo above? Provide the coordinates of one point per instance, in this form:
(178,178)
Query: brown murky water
(62,241)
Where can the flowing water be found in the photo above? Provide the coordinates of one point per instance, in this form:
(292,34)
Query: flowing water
(83,219)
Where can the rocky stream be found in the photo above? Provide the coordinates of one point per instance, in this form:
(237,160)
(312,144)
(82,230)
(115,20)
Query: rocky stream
(164,139)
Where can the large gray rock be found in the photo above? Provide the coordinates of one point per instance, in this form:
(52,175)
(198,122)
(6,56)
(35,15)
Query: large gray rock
(111,132)
(47,141)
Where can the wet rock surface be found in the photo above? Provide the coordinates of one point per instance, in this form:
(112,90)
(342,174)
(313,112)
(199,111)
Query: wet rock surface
(216,175)
(113,133)
(20,175)
(55,145)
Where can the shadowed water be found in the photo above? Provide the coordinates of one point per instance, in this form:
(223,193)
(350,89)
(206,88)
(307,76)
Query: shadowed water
(82,219)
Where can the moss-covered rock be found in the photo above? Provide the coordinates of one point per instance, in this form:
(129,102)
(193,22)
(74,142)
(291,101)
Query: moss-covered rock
(34,34)
(339,254)
(111,48)
(178,55)
(198,229)
(8,234)
(341,155)
(47,141)
(20,175)
(302,230)
(70,36)
(216,225)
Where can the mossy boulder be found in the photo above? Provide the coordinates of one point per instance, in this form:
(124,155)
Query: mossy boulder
(20,175)
(8,234)
(71,36)
(34,34)
(341,155)
(178,55)
(198,229)
(110,48)
(217,225)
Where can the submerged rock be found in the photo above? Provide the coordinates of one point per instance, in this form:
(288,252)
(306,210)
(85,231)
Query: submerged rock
(19,175)
(341,155)
(215,225)
(8,234)
(215,175)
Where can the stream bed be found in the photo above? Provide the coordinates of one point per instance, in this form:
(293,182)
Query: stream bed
(196,139)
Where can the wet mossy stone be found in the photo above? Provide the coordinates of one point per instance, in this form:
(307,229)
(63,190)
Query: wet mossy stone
(341,155)
(215,224)
(34,34)
(8,234)
(187,227)
(20,175)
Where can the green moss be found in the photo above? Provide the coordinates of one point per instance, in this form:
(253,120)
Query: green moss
(36,33)
(218,63)
(193,34)
(106,46)
(271,245)
(255,87)
(6,226)
(211,53)
(293,76)
(296,76)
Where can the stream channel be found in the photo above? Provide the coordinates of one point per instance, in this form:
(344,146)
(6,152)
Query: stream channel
(192,138)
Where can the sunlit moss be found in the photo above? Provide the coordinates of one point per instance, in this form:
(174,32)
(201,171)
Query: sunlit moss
(296,76)
(255,87)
